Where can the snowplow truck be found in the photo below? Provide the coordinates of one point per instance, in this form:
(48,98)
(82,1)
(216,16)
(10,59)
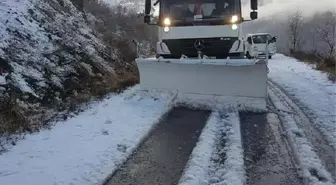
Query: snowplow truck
(200,53)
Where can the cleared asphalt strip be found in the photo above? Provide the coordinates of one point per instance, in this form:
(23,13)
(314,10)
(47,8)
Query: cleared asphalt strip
(266,156)
(162,158)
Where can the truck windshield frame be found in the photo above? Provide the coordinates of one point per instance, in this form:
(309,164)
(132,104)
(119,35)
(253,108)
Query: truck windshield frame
(186,12)
(261,39)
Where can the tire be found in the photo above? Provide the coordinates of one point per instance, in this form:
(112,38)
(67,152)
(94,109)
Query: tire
(164,56)
(248,55)
(269,56)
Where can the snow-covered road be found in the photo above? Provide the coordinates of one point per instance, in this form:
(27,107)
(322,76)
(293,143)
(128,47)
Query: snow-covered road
(87,148)
(311,89)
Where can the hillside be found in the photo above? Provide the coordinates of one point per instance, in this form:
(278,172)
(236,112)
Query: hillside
(55,56)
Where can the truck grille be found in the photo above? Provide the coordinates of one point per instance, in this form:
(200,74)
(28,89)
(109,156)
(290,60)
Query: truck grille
(218,47)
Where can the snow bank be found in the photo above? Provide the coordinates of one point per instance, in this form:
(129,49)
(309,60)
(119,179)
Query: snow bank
(87,148)
(307,158)
(222,102)
(311,90)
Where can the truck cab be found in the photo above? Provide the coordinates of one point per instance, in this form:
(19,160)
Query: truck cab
(255,45)
(198,28)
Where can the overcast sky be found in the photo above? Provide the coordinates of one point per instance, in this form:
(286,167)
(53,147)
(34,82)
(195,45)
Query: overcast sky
(280,7)
(308,7)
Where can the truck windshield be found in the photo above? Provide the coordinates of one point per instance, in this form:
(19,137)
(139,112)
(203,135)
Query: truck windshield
(260,39)
(202,9)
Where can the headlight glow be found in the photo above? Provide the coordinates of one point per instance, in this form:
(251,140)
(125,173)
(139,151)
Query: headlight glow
(234,19)
(166,29)
(166,21)
(234,26)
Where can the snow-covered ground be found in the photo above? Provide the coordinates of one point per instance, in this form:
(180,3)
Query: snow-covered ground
(85,149)
(303,150)
(312,90)
(205,165)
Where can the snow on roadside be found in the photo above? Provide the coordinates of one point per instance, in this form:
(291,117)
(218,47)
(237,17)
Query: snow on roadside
(311,90)
(309,161)
(87,148)
(221,137)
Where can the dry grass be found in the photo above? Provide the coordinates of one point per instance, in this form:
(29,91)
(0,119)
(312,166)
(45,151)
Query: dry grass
(324,64)
(16,119)
(331,72)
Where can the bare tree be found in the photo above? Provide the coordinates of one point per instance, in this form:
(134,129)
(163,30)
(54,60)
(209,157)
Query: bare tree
(295,23)
(326,30)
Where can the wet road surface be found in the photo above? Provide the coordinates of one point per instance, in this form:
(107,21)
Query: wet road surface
(266,157)
(161,159)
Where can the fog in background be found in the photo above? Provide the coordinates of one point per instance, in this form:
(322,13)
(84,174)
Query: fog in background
(267,8)
(273,16)
(280,8)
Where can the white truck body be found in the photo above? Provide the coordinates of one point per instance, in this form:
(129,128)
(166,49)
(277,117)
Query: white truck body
(200,54)
(220,33)
(255,45)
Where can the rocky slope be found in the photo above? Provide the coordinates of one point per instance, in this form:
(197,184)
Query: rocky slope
(52,59)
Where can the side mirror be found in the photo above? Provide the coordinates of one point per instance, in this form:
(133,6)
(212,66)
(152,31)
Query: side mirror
(147,19)
(254,15)
(148,7)
(274,39)
(254,4)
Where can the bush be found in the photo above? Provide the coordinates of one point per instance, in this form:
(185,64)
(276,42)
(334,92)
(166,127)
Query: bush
(322,63)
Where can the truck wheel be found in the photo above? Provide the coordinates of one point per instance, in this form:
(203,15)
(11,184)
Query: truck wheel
(270,57)
(248,55)
(241,55)
(164,56)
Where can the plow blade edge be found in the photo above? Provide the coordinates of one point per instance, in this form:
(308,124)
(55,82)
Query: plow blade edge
(234,81)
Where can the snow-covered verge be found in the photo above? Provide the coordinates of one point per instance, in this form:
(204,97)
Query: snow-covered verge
(311,89)
(218,155)
(87,148)
(53,58)
(311,165)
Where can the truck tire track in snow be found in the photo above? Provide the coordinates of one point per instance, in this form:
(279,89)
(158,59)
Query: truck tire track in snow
(265,153)
(162,157)
(227,163)
(307,157)
(321,146)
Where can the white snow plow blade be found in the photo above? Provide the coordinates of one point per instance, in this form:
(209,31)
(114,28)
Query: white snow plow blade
(234,82)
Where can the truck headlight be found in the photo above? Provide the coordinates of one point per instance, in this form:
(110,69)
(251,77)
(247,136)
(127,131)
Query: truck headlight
(234,26)
(234,19)
(166,29)
(166,21)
